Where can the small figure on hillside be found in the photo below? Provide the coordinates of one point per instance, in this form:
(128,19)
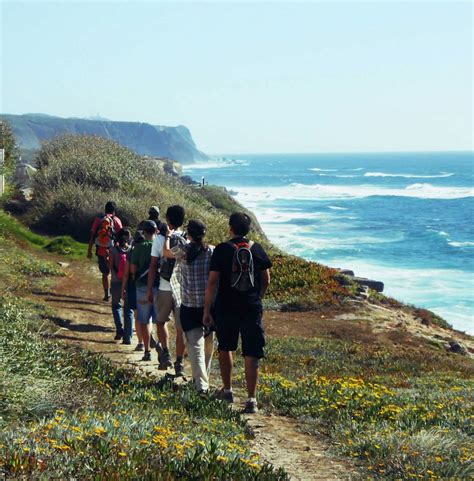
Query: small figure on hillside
(168,298)
(103,234)
(194,259)
(154,215)
(117,265)
(240,269)
(139,267)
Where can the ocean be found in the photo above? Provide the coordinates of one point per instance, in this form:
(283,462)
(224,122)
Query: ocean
(402,218)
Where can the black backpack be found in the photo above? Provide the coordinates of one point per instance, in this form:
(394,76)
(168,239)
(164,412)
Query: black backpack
(167,265)
(242,277)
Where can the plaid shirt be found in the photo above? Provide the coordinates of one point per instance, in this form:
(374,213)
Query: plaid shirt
(193,276)
(175,282)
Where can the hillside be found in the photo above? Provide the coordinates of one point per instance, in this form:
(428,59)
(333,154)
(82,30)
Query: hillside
(144,139)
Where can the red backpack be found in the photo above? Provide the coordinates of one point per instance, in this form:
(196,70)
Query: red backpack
(105,233)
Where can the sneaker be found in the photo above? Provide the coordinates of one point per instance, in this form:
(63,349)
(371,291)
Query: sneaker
(179,368)
(118,336)
(146,356)
(127,343)
(139,347)
(222,395)
(164,361)
(203,392)
(250,407)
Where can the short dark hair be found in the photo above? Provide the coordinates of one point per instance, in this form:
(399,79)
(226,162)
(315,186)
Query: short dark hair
(110,207)
(175,215)
(149,226)
(240,222)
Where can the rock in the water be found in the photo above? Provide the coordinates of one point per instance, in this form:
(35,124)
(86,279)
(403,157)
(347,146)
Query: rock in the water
(346,272)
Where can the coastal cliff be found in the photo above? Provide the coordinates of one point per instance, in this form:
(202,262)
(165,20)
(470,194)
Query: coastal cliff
(145,139)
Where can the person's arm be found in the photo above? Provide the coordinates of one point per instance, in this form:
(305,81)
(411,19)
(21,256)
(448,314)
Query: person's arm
(110,261)
(151,277)
(167,247)
(264,282)
(92,239)
(126,275)
(209,297)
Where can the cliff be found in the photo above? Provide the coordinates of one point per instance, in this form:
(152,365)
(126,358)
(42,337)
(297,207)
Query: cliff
(144,139)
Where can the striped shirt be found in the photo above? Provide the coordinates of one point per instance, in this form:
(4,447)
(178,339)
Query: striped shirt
(193,276)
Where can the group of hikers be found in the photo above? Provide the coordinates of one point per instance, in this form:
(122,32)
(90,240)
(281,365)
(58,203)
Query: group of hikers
(161,272)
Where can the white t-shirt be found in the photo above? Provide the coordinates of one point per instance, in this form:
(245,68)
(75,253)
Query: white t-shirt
(157,251)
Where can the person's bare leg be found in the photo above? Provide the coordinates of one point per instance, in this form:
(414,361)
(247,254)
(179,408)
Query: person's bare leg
(226,364)
(163,334)
(251,375)
(138,328)
(180,345)
(146,331)
(105,284)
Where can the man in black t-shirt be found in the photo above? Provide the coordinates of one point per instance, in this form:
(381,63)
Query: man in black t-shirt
(238,310)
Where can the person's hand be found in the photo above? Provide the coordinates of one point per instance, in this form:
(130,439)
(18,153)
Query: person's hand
(124,294)
(168,230)
(89,254)
(149,296)
(207,320)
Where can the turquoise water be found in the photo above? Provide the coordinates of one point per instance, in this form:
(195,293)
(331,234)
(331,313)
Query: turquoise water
(405,219)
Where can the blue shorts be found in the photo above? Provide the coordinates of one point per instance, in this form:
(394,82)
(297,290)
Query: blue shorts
(146,310)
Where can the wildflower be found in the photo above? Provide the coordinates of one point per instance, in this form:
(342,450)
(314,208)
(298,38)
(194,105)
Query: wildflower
(122,454)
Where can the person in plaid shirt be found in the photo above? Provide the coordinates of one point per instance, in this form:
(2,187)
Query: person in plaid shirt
(194,260)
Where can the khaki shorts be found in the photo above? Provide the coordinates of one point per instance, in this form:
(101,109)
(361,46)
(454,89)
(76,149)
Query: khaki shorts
(165,305)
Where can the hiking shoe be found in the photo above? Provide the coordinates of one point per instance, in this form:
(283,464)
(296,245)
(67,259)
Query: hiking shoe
(118,336)
(146,356)
(126,343)
(225,396)
(250,407)
(179,369)
(139,347)
(164,360)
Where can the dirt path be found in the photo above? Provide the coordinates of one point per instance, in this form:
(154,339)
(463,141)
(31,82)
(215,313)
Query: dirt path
(87,322)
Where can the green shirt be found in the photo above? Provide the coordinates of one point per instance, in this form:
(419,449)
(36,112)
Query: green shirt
(141,257)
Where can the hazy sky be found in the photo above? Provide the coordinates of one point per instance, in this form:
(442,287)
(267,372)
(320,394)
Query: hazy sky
(251,77)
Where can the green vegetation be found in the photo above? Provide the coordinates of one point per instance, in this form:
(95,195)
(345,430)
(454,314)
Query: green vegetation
(8,143)
(71,414)
(406,412)
(77,175)
(11,229)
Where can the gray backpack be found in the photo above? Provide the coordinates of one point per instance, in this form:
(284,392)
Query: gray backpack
(242,277)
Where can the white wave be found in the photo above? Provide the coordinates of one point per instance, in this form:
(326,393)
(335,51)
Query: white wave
(356,170)
(214,165)
(341,176)
(335,207)
(461,244)
(254,195)
(409,176)
(444,291)
(442,233)
(317,169)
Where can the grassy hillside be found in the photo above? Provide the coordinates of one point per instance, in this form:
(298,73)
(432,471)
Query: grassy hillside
(78,175)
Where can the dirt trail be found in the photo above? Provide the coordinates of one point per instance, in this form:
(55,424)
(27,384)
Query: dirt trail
(87,322)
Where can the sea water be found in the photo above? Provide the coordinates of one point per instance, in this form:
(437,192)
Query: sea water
(402,218)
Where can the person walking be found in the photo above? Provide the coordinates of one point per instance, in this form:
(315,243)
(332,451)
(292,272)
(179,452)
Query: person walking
(140,264)
(103,235)
(194,259)
(240,272)
(117,265)
(168,299)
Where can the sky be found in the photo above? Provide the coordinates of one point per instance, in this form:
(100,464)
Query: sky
(250,76)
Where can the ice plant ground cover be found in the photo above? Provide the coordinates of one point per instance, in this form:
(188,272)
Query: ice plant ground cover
(405,413)
(68,413)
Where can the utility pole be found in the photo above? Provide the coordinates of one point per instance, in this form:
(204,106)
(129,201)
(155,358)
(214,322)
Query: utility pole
(2,175)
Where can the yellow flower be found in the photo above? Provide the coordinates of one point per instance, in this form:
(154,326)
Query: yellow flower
(122,454)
